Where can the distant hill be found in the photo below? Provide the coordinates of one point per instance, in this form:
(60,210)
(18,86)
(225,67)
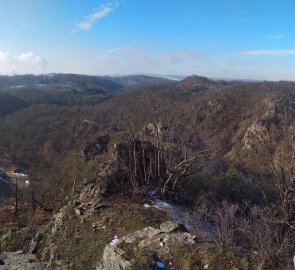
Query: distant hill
(193,80)
(74,82)
(134,81)
(71,89)
(10,104)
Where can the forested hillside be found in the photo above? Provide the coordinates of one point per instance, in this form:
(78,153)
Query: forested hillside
(219,116)
(10,104)
(223,151)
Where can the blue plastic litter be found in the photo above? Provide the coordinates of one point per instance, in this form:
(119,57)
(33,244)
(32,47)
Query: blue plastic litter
(160,265)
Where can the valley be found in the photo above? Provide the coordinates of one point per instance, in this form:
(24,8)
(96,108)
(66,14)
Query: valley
(205,165)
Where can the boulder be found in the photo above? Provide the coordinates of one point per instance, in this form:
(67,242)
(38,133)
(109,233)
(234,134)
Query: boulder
(20,261)
(146,241)
(172,226)
(141,234)
(79,211)
(113,259)
(98,206)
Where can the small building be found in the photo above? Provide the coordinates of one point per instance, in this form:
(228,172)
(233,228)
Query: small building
(18,171)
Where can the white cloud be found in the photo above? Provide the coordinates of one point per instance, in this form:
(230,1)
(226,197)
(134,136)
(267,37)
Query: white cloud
(98,14)
(21,64)
(268,52)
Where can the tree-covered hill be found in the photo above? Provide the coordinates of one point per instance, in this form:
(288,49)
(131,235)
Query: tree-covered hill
(71,89)
(10,104)
(221,151)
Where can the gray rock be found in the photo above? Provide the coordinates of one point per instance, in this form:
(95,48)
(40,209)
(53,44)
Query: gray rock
(98,206)
(79,211)
(172,226)
(145,233)
(113,260)
(171,233)
(20,261)
(58,220)
(161,240)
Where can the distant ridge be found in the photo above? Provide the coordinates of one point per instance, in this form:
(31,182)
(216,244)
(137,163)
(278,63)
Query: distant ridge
(193,80)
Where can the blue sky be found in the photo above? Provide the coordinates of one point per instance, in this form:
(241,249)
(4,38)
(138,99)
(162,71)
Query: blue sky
(252,39)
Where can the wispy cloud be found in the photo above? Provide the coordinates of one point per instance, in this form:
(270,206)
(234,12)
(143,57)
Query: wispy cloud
(21,64)
(273,36)
(115,50)
(126,59)
(268,52)
(96,15)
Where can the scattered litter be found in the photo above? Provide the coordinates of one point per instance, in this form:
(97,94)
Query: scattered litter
(27,183)
(114,241)
(160,265)
(206,266)
(146,205)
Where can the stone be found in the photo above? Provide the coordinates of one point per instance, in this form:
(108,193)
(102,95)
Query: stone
(145,239)
(148,232)
(78,212)
(20,261)
(172,226)
(58,220)
(98,207)
(113,260)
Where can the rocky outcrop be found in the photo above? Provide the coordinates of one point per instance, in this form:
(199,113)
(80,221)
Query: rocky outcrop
(258,131)
(147,241)
(57,220)
(113,260)
(20,261)
(255,134)
(97,148)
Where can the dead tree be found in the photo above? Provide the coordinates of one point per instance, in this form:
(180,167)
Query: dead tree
(181,170)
